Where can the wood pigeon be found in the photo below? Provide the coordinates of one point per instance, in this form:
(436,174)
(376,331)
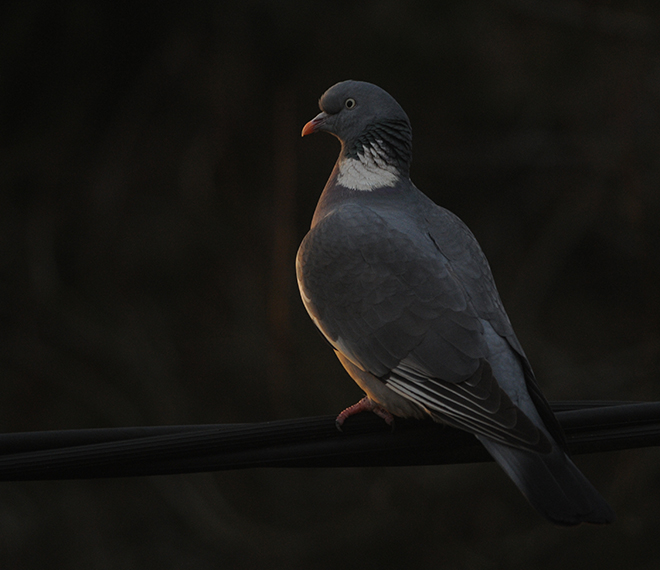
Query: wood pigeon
(402,291)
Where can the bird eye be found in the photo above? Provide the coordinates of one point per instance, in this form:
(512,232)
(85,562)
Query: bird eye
(350,103)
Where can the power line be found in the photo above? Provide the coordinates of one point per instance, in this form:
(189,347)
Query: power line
(304,442)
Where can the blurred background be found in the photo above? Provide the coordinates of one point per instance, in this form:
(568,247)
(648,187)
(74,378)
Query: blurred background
(154,189)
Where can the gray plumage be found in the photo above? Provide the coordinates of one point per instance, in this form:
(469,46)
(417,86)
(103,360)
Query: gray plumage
(401,289)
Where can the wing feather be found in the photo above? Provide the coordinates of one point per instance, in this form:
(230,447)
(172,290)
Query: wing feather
(477,405)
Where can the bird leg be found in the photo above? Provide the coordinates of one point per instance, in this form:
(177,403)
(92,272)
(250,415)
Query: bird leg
(364,405)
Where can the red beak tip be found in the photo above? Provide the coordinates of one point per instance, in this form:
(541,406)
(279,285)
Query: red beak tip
(314,125)
(308,129)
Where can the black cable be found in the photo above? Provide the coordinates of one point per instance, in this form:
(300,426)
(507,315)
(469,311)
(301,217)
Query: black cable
(305,442)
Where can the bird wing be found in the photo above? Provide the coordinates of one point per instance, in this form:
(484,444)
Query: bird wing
(405,300)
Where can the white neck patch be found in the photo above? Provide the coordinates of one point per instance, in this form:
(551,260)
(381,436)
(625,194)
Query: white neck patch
(368,171)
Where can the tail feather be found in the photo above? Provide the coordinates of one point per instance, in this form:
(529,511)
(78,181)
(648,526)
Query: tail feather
(552,484)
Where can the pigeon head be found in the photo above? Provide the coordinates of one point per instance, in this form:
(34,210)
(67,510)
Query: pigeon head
(371,125)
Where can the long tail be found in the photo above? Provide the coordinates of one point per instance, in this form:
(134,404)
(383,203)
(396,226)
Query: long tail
(552,484)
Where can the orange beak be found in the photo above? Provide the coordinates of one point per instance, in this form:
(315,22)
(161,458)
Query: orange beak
(314,124)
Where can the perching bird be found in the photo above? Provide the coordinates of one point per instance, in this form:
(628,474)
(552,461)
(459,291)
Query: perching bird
(402,291)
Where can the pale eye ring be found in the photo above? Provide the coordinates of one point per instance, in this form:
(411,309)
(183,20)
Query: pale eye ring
(350,103)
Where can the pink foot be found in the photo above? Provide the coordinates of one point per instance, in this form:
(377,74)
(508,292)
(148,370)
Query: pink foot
(364,405)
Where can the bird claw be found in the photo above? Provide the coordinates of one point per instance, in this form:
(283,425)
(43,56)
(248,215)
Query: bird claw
(364,405)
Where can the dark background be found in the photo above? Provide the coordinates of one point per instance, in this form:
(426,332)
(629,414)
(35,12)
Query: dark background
(154,189)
